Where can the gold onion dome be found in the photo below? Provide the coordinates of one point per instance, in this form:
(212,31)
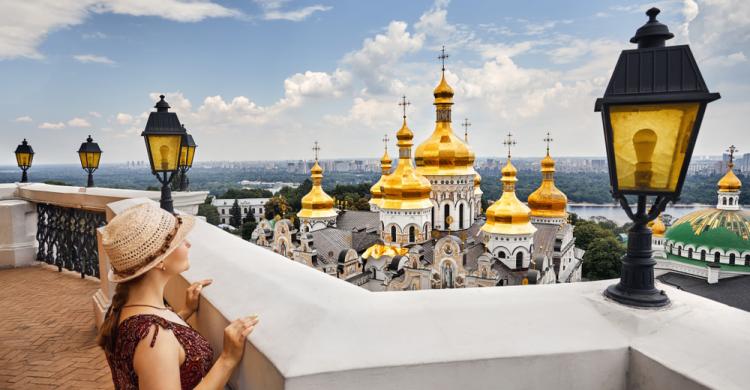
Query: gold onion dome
(375,190)
(548,200)
(477,182)
(317,204)
(405,188)
(657,227)
(508,215)
(443,153)
(730,182)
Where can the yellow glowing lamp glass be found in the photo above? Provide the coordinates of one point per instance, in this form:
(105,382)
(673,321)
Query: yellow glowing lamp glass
(89,159)
(164,151)
(24,159)
(650,143)
(186,156)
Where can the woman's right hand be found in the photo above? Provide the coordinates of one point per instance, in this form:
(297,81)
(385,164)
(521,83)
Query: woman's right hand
(234,338)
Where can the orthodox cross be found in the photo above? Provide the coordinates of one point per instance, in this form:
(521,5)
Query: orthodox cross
(385,142)
(316,149)
(443,56)
(466,125)
(731,151)
(547,139)
(403,103)
(509,142)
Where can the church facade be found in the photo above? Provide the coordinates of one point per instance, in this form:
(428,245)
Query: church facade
(425,228)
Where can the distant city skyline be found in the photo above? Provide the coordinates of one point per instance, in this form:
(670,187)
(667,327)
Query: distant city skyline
(262,80)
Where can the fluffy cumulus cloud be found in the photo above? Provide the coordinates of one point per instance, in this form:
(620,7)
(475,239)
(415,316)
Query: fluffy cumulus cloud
(124,119)
(23,119)
(275,10)
(79,122)
(25,24)
(52,125)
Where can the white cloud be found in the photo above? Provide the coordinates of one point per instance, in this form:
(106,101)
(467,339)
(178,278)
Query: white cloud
(91,58)
(95,114)
(25,24)
(124,119)
(272,10)
(79,122)
(94,35)
(726,61)
(48,125)
(23,119)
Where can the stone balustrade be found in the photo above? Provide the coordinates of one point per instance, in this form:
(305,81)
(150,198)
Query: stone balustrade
(319,332)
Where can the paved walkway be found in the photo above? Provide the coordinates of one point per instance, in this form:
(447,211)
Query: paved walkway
(47,332)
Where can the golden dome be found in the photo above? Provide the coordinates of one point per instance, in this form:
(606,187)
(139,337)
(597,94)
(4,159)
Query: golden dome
(317,204)
(477,183)
(548,200)
(375,191)
(730,182)
(657,227)
(508,215)
(405,188)
(443,153)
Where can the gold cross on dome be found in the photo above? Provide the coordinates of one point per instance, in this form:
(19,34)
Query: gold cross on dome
(466,125)
(385,142)
(731,151)
(547,139)
(316,149)
(443,56)
(509,142)
(403,103)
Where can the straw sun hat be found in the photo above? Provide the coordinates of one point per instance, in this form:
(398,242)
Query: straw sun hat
(142,236)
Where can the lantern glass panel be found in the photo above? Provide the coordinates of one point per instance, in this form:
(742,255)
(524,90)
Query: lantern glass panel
(164,151)
(89,159)
(650,143)
(24,159)
(186,156)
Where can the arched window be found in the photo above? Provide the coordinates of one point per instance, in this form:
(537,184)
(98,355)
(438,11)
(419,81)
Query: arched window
(447,274)
(716,257)
(679,251)
(446,214)
(501,254)
(412,234)
(747,260)
(393,234)
(461,216)
(724,201)
(731,257)
(703,255)
(432,217)
(519,260)
(730,201)
(690,253)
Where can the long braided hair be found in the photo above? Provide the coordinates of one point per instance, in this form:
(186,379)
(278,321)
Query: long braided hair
(108,332)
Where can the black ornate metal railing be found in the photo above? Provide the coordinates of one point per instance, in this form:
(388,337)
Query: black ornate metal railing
(67,238)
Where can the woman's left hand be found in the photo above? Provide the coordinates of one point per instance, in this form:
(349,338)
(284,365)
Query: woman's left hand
(193,294)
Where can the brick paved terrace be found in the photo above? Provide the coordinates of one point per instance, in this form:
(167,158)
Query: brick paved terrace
(47,332)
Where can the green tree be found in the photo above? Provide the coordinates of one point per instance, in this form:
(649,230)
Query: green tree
(247,229)
(277,206)
(209,211)
(602,259)
(235,213)
(586,232)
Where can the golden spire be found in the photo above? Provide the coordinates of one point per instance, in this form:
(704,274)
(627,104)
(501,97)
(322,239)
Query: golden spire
(405,188)
(730,182)
(508,215)
(657,227)
(316,204)
(548,200)
(385,167)
(443,153)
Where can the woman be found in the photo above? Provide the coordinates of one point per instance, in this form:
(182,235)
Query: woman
(147,345)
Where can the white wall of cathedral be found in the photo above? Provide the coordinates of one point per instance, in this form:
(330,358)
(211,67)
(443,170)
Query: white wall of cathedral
(729,201)
(657,246)
(549,220)
(313,224)
(704,253)
(405,226)
(454,196)
(513,250)
(477,209)
(568,266)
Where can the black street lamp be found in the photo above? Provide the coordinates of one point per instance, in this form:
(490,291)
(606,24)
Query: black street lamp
(24,156)
(90,154)
(651,111)
(187,153)
(163,135)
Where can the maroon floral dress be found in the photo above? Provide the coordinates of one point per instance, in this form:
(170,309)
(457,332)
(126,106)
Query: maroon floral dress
(198,353)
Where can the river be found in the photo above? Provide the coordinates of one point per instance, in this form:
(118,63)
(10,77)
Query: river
(617,214)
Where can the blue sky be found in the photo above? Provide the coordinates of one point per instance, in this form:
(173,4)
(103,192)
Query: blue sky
(264,79)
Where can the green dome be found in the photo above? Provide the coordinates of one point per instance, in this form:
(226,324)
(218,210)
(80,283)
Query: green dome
(713,228)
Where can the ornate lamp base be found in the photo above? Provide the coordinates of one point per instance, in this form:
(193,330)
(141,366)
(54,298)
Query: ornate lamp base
(637,298)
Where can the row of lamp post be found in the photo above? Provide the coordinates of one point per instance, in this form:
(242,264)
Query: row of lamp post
(651,112)
(170,150)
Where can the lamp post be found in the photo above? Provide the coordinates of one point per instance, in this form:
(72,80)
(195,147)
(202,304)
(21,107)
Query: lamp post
(24,156)
(651,111)
(90,154)
(187,152)
(163,135)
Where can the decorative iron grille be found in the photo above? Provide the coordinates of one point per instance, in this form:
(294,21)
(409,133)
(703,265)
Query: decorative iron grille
(67,238)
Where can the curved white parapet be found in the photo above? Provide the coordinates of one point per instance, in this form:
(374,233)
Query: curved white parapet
(319,332)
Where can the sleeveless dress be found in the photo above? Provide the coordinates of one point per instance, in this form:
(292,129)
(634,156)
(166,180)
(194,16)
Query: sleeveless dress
(198,352)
